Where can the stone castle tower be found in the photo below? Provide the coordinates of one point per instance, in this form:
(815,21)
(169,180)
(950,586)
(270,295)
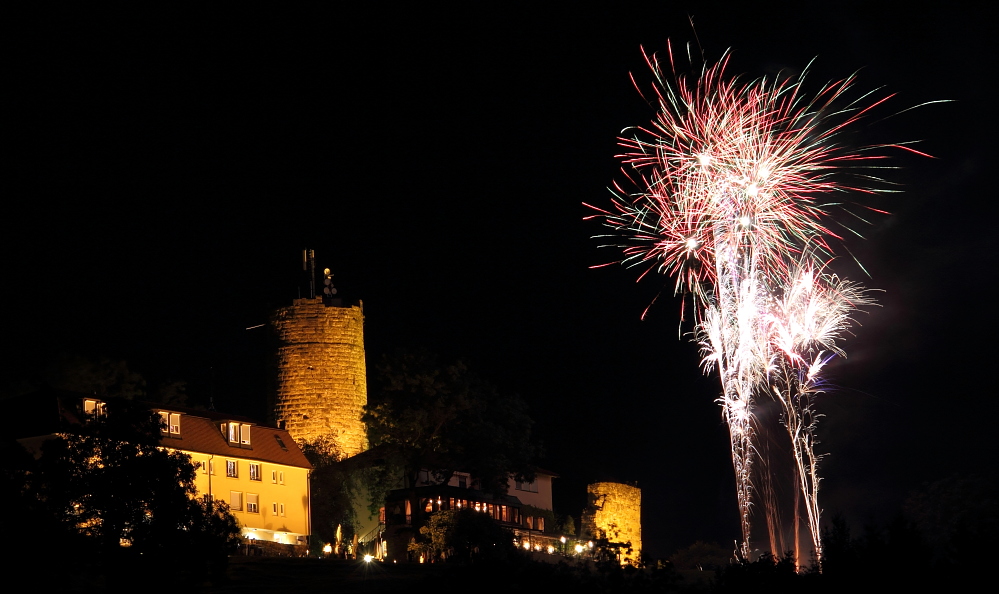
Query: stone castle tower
(321,375)
(615,513)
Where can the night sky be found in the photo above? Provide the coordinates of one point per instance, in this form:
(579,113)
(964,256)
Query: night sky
(166,166)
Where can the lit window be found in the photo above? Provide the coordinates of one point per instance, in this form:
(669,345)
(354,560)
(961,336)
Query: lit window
(244,434)
(541,524)
(251,503)
(171,423)
(530,522)
(234,432)
(254,471)
(236,500)
(232,468)
(93,408)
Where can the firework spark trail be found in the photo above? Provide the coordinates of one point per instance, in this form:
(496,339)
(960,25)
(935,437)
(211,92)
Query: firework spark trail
(804,326)
(732,181)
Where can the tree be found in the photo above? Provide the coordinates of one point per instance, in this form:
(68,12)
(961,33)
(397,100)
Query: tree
(442,418)
(109,485)
(462,535)
(565,524)
(102,377)
(958,516)
(702,556)
(766,574)
(333,491)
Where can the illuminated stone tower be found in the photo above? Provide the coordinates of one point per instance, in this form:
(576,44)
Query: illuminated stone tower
(615,513)
(321,375)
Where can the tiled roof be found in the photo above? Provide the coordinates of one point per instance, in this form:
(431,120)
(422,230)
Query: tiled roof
(200,412)
(203,435)
(49,411)
(539,470)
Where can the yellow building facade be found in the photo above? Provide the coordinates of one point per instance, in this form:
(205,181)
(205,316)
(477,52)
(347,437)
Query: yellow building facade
(259,471)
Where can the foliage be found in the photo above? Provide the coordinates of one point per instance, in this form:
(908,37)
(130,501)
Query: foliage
(424,415)
(35,526)
(462,535)
(537,512)
(883,556)
(108,378)
(702,556)
(334,490)
(110,487)
(958,516)
(766,574)
(103,377)
(566,525)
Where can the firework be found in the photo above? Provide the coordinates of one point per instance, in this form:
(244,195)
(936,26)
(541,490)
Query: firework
(802,328)
(730,191)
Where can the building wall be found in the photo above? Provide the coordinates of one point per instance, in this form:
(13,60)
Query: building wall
(282,495)
(322,379)
(541,498)
(616,514)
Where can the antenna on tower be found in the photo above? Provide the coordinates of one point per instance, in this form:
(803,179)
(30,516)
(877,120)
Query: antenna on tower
(309,271)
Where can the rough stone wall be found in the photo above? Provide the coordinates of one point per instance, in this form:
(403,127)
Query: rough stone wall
(616,514)
(322,381)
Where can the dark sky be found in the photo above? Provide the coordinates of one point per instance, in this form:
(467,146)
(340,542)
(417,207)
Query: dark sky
(166,166)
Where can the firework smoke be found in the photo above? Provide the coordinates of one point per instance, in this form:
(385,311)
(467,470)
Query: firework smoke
(729,191)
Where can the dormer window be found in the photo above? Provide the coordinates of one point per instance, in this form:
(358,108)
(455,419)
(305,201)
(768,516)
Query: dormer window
(93,408)
(238,433)
(171,422)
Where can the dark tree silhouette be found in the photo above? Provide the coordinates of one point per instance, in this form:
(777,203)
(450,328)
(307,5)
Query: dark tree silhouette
(425,415)
(109,485)
(463,535)
(333,492)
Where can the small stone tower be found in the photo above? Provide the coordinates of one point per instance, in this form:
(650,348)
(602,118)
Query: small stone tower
(615,513)
(321,375)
